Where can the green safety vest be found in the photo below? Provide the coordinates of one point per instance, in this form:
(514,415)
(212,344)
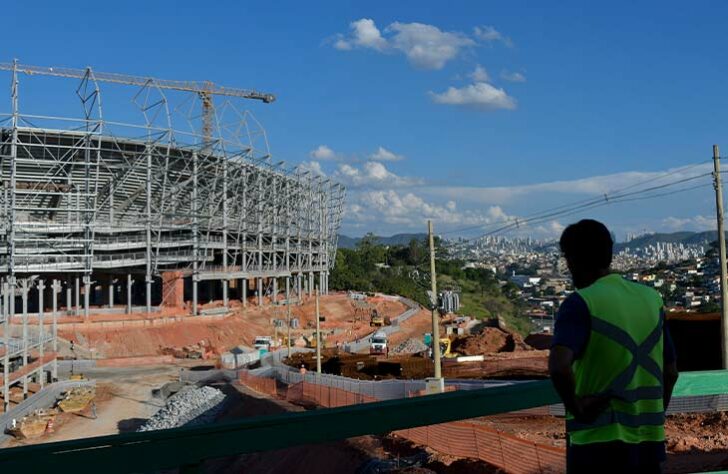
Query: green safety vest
(622,359)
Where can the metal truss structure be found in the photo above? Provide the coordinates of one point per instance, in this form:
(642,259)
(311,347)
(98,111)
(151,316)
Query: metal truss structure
(95,206)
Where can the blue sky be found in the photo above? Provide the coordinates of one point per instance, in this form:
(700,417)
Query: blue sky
(469,113)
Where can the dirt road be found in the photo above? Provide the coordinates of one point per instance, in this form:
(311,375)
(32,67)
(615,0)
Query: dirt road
(123,401)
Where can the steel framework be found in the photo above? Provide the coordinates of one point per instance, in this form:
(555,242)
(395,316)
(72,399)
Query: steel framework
(93,206)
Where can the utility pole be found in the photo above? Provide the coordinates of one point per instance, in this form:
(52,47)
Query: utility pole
(435,317)
(288,309)
(318,335)
(717,182)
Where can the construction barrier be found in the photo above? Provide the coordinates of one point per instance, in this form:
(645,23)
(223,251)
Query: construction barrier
(259,384)
(470,439)
(467,439)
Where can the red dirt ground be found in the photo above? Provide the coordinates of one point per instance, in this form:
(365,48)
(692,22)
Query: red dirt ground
(490,340)
(240,328)
(695,442)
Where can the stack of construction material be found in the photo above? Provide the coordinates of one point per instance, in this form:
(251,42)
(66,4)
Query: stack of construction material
(189,406)
(410,346)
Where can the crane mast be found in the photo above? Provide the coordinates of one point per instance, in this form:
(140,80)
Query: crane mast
(204,89)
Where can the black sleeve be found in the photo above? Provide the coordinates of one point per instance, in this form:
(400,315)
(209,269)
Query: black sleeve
(668,347)
(572,326)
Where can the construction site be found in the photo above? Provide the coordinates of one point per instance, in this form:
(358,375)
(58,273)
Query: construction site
(158,282)
(99,224)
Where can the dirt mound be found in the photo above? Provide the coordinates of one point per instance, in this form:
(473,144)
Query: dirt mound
(489,341)
(120,340)
(410,346)
(699,432)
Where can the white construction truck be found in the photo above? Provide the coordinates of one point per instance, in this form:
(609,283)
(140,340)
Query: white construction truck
(378,343)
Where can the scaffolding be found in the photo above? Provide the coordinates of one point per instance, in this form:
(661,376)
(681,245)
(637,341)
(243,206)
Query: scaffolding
(95,212)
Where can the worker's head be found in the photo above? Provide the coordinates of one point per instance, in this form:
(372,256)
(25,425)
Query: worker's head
(587,247)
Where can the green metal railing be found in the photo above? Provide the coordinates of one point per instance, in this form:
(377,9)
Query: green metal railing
(189,446)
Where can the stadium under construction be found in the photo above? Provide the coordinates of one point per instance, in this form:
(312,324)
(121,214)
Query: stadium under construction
(110,217)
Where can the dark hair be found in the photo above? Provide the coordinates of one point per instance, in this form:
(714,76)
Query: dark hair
(588,244)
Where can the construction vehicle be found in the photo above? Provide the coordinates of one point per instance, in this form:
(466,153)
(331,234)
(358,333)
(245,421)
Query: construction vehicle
(378,320)
(378,343)
(446,349)
(76,399)
(33,425)
(263,343)
(311,341)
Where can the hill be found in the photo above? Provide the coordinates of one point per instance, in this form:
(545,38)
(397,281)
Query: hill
(346,242)
(686,237)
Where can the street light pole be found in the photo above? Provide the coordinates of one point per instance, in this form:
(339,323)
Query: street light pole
(433,302)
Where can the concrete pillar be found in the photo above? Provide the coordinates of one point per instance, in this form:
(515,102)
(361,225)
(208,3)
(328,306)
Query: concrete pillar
(299,288)
(25,336)
(111,292)
(148,280)
(225,286)
(274,296)
(129,283)
(55,289)
(244,291)
(69,300)
(310,284)
(41,328)
(260,291)
(6,358)
(86,296)
(195,294)
(77,311)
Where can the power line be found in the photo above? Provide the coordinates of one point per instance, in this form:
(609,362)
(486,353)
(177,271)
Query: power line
(591,203)
(586,201)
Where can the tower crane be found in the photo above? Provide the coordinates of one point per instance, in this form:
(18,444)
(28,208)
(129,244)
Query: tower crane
(204,89)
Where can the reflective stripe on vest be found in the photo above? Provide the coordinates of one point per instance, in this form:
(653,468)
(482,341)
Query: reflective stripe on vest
(622,361)
(618,388)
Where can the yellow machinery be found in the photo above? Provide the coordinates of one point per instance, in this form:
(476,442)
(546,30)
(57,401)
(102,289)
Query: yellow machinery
(311,341)
(375,319)
(445,349)
(77,399)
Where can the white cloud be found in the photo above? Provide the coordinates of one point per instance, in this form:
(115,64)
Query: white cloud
(408,210)
(382,154)
(313,166)
(479,74)
(342,45)
(698,222)
(512,76)
(480,95)
(364,34)
(371,174)
(426,46)
(324,153)
(590,186)
(490,34)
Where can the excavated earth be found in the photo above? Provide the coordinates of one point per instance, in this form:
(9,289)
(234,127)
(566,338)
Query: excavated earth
(240,328)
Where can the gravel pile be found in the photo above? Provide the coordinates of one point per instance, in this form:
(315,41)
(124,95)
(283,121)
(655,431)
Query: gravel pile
(189,406)
(410,346)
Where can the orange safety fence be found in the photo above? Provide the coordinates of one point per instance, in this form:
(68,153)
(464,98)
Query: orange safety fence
(467,438)
(259,384)
(470,439)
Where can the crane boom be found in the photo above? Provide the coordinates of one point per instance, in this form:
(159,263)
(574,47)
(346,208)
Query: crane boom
(204,88)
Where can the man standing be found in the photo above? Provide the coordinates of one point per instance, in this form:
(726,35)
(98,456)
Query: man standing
(612,362)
